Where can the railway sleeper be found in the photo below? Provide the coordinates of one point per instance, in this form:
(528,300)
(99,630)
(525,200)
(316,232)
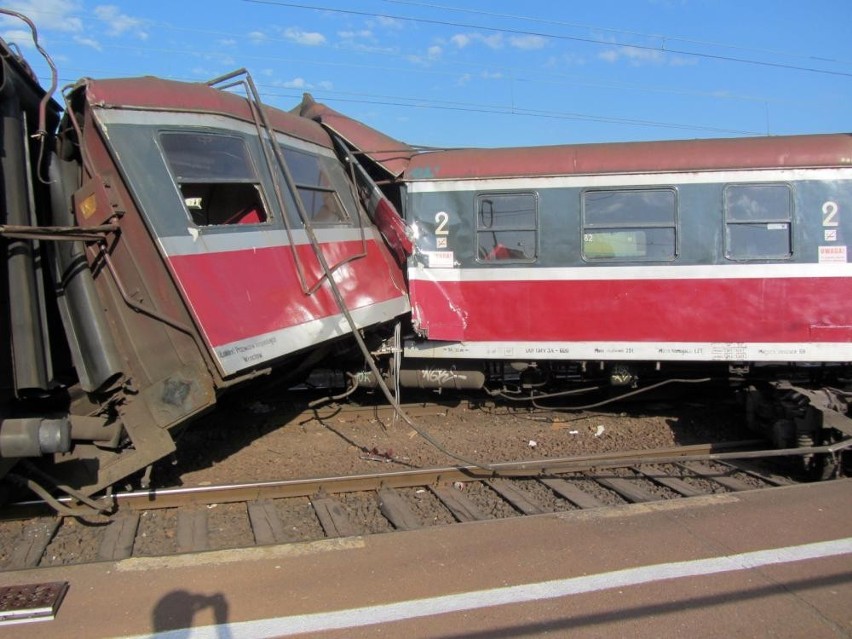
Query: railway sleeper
(462,508)
(515,496)
(681,487)
(572,493)
(719,477)
(266,524)
(333,518)
(395,509)
(628,488)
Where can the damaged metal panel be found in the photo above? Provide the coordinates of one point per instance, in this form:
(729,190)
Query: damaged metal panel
(390,154)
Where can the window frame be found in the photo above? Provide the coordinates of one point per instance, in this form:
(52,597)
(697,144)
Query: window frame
(791,214)
(587,227)
(535,228)
(255,180)
(351,220)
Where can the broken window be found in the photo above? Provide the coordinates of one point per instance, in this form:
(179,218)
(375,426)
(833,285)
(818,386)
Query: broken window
(216,178)
(507,227)
(630,225)
(758,220)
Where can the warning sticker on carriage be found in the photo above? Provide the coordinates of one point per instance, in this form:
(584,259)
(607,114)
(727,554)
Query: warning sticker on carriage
(440,259)
(832,254)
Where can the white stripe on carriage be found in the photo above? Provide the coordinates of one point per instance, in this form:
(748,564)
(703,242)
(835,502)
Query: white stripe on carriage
(658,351)
(596,180)
(630,272)
(260,349)
(222,239)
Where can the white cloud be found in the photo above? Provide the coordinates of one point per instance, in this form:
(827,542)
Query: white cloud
(492,75)
(88,42)
(460,40)
(307,38)
(48,15)
(528,42)
(257,37)
(227,42)
(638,56)
(566,59)
(120,23)
(494,41)
(352,35)
(22,38)
(295,83)
(303,85)
(389,23)
(610,55)
(432,54)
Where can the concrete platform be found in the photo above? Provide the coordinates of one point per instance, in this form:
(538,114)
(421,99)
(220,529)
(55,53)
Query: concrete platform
(772,564)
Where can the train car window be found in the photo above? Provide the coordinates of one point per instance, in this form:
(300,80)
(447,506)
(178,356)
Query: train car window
(216,178)
(758,221)
(320,183)
(630,225)
(507,227)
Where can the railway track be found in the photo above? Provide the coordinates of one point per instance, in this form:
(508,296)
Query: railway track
(183,520)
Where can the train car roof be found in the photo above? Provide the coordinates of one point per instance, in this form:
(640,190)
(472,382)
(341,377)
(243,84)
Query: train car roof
(388,153)
(829,150)
(156,94)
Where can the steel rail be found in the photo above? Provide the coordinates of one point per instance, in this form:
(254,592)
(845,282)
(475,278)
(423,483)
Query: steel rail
(280,489)
(155,499)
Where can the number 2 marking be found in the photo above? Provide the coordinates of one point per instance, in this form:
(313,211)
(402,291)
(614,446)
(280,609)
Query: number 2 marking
(441,219)
(829,213)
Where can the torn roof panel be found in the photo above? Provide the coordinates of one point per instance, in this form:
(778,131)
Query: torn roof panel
(390,154)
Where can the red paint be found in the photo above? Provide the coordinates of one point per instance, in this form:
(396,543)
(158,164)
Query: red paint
(392,228)
(725,310)
(240,294)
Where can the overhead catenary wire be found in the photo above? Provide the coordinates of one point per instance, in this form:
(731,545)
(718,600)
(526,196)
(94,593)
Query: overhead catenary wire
(554,36)
(506,109)
(658,36)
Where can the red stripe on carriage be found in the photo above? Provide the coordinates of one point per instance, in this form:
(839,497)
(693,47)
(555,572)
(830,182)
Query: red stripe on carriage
(698,310)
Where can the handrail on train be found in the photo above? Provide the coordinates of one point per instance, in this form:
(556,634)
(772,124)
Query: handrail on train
(242,78)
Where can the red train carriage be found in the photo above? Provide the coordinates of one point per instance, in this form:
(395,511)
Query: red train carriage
(212,240)
(628,262)
(701,251)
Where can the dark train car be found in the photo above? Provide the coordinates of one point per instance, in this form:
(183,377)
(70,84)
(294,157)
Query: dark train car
(182,239)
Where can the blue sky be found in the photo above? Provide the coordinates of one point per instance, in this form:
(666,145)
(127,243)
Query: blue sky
(452,73)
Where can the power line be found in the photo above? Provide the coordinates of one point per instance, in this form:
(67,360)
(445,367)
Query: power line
(491,109)
(521,32)
(512,110)
(553,77)
(664,38)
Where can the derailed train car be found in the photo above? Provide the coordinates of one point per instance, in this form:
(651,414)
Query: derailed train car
(631,265)
(163,243)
